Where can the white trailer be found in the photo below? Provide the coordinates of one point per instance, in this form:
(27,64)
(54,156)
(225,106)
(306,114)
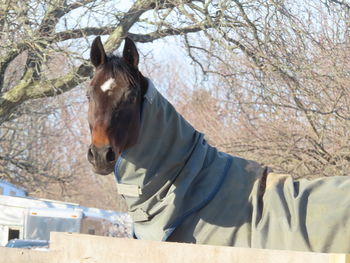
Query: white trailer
(30,218)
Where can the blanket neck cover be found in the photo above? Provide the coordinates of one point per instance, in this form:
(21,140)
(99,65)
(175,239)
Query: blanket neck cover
(179,188)
(164,177)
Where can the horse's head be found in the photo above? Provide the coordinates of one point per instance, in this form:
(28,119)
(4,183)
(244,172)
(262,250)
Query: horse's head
(115,96)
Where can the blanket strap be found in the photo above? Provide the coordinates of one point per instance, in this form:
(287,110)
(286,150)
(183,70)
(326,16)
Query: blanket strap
(129,190)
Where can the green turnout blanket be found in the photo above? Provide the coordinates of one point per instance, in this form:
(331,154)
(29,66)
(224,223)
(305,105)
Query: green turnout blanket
(179,188)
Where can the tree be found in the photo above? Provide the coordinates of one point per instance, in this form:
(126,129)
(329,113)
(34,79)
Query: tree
(44,47)
(36,31)
(276,74)
(282,69)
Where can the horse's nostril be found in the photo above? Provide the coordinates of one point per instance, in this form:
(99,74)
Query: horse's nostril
(110,157)
(90,155)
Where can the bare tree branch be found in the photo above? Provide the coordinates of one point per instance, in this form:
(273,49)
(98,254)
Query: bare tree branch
(30,89)
(342,3)
(35,84)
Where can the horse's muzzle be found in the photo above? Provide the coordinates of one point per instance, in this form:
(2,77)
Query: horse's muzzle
(102,159)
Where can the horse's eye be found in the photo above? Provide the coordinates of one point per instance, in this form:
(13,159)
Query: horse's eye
(132,100)
(133,97)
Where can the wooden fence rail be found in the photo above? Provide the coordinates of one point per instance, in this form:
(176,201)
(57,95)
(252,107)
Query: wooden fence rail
(78,248)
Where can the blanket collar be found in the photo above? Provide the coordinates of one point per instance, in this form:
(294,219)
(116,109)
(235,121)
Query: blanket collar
(170,173)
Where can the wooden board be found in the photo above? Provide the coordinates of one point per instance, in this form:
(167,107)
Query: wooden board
(71,248)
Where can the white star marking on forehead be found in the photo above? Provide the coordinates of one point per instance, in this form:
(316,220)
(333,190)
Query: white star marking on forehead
(107,85)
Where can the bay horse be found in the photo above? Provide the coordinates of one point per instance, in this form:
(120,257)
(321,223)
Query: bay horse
(179,188)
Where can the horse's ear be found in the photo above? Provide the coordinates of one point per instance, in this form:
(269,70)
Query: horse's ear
(97,54)
(130,53)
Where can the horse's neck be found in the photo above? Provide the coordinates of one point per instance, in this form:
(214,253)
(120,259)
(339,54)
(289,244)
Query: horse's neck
(165,141)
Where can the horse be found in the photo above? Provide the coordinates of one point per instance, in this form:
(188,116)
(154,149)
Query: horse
(179,188)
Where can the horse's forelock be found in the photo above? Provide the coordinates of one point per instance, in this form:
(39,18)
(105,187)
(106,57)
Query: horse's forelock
(116,67)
